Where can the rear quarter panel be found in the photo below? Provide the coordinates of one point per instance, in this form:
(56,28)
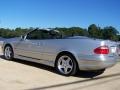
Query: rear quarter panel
(80,48)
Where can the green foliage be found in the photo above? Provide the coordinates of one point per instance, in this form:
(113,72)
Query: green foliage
(10,33)
(110,33)
(107,33)
(73,31)
(93,31)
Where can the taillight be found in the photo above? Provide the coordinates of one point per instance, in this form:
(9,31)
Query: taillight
(102,50)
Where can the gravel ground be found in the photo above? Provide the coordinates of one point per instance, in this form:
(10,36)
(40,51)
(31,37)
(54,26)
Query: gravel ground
(22,75)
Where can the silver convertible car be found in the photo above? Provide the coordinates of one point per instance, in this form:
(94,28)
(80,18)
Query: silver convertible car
(66,54)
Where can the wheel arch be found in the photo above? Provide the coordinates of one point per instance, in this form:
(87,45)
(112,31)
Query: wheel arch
(8,44)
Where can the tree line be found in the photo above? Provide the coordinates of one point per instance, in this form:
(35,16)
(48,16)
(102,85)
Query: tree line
(93,31)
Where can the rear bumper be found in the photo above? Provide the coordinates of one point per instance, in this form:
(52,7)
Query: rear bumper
(96,62)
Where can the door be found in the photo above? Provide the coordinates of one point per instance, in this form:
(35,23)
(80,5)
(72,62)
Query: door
(31,46)
(37,45)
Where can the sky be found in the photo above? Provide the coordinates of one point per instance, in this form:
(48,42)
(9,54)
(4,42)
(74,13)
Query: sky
(59,13)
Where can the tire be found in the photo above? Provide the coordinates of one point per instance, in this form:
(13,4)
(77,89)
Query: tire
(8,52)
(66,65)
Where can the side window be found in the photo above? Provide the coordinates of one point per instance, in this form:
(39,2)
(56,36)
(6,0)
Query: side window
(39,34)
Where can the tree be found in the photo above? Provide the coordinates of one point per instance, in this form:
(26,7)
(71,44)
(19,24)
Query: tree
(110,33)
(94,31)
(78,31)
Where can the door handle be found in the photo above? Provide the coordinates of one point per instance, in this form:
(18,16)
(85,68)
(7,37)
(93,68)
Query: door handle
(36,44)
